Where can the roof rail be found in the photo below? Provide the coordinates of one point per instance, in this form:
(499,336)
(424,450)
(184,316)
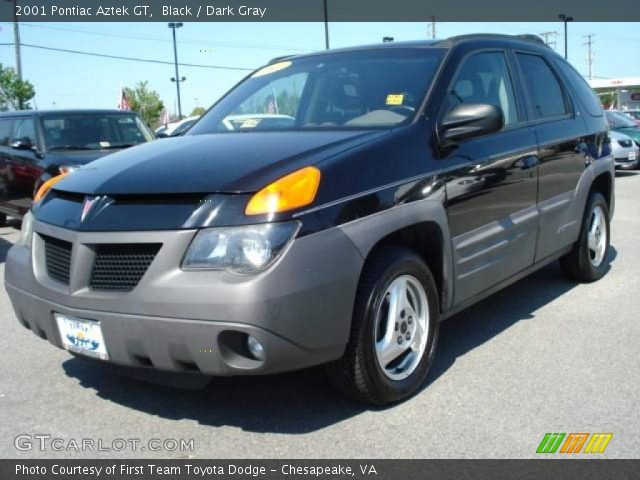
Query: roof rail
(499,36)
(532,38)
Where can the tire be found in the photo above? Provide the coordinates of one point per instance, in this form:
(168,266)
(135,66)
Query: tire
(359,373)
(582,263)
(3,219)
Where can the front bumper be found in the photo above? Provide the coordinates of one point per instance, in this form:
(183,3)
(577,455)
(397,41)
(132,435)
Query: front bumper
(626,164)
(299,309)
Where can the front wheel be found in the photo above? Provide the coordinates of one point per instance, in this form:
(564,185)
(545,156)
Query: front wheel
(587,261)
(394,330)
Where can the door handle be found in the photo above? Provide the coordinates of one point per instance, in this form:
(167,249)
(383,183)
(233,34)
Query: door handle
(529,162)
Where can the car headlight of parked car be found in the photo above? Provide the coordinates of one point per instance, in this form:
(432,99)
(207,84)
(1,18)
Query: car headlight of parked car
(26,232)
(244,250)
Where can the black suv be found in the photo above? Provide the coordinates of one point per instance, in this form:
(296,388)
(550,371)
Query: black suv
(331,208)
(36,145)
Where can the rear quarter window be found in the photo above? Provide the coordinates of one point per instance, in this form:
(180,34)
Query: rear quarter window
(545,91)
(587,97)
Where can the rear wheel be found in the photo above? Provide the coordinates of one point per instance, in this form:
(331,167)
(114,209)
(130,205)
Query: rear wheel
(587,261)
(394,330)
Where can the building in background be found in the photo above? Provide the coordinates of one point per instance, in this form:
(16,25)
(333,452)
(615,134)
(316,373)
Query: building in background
(618,93)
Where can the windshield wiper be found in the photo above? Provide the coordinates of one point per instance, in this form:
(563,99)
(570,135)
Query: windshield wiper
(69,147)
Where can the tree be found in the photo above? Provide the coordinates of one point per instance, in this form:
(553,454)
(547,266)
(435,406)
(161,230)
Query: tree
(146,102)
(14,93)
(198,111)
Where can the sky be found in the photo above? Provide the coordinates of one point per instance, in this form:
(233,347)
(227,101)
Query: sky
(67,80)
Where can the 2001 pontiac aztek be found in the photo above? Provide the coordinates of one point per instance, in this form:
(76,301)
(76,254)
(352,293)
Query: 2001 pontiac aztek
(331,208)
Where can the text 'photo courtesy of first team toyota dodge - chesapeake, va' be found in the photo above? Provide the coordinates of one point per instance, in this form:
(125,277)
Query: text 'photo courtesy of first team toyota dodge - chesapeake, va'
(332,208)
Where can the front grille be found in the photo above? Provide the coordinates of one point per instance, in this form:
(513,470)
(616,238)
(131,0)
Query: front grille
(625,143)
(57,254)
(119,267)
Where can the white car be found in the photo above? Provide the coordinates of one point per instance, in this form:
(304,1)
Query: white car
(624,150)
(177,128)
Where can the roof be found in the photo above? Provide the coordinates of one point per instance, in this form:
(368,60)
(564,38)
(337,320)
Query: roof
(94,111)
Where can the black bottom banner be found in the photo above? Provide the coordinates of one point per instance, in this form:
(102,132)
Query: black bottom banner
(313,469)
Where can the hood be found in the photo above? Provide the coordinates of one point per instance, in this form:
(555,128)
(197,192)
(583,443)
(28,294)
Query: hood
(633,132)
(618,136)
(212,163)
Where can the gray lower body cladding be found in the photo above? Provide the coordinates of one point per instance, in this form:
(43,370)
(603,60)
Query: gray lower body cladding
(299,309)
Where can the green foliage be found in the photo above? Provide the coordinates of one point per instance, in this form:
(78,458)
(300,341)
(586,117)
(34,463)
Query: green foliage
(14,93)
(198,111)
(146,102)
(288,103)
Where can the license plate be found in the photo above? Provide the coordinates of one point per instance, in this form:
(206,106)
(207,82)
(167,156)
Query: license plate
(82,336)
(632,156)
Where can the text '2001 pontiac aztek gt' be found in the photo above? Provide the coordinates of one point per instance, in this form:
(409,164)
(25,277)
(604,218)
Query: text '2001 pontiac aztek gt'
(331,208)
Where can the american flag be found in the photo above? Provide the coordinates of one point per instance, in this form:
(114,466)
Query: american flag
(124,102)
(271,104)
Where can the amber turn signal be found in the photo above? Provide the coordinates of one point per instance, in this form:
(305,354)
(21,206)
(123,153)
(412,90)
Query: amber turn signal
(291,191)
(46,186)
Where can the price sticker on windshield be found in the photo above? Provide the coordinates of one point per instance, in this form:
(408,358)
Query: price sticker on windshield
(395,99)
(250,123)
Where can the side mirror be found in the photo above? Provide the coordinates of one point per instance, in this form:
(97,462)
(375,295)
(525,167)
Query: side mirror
(468,121)
(22,144)
(161,135)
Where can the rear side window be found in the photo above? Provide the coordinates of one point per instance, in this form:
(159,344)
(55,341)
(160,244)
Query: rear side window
(6,128)
(545,92)
(585,93)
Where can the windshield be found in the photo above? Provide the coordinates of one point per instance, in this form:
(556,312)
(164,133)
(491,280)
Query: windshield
(372,88)
(620,120)
(89,131)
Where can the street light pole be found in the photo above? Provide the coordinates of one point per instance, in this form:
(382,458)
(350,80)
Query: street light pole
(173,26)
(565,19)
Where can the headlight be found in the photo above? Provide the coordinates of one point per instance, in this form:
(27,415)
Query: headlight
(244,250)
(26,232)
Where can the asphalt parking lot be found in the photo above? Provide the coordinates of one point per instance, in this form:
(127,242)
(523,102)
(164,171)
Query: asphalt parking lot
(544,355)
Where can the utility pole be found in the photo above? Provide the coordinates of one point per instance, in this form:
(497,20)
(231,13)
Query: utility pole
(546,35)
(565,19)
(174,26)
(326,25)
(16,43)
(588,43)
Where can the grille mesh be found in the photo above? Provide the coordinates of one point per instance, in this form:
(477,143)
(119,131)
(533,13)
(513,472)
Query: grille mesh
(119,267)
(57,258)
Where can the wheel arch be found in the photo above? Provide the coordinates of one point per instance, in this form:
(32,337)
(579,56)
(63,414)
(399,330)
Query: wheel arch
(603,183)
(421,226)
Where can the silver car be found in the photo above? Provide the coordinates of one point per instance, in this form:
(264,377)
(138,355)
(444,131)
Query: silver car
(624,150)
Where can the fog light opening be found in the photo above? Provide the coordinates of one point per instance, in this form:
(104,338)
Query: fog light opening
(255,348)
